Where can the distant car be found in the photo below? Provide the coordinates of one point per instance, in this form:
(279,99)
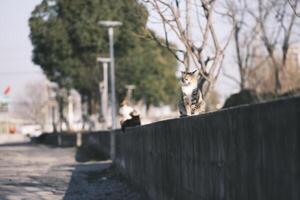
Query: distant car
(31,130)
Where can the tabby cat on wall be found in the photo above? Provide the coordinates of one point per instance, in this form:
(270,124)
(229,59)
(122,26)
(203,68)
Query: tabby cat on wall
(191,101)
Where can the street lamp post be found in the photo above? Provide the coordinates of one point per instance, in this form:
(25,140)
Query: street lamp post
(104,88)
(110,25)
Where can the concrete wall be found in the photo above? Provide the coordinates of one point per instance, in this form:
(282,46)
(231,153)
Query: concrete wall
(244,153)
(249,152)
(57,139)
(95,140)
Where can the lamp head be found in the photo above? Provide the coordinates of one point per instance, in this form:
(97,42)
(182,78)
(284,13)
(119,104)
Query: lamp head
(103,60)
(110,23)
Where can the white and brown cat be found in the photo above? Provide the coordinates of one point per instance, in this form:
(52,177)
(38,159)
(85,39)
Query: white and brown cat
(191,102)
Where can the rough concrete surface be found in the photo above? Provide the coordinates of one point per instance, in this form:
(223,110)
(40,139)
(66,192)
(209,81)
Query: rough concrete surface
(39,172)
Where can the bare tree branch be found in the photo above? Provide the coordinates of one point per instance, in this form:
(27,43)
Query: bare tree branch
(198,53)
(293,6)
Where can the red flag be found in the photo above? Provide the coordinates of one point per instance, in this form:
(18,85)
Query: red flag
(6,90)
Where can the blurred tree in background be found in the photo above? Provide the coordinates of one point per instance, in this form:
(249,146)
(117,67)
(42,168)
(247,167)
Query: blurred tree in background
(33,105)
(67,40)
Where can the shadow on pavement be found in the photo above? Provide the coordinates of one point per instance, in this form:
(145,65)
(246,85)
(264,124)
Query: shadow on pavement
(85,154)
(98,180)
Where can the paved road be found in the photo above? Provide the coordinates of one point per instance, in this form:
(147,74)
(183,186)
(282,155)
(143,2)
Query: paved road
(37,172)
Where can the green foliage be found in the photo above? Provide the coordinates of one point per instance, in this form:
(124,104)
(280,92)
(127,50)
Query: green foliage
(67,39)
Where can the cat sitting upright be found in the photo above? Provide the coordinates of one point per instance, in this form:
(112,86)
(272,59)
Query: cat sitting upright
(191,102)
(129,116)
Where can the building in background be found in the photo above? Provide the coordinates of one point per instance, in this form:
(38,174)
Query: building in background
(39,105)
(72,112)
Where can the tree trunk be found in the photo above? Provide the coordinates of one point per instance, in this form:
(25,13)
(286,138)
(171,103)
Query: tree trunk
(277,80)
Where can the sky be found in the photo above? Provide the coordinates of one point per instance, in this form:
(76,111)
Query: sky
(16,67)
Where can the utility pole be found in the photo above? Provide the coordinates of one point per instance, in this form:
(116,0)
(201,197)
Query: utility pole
(110,25)
(103,87)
